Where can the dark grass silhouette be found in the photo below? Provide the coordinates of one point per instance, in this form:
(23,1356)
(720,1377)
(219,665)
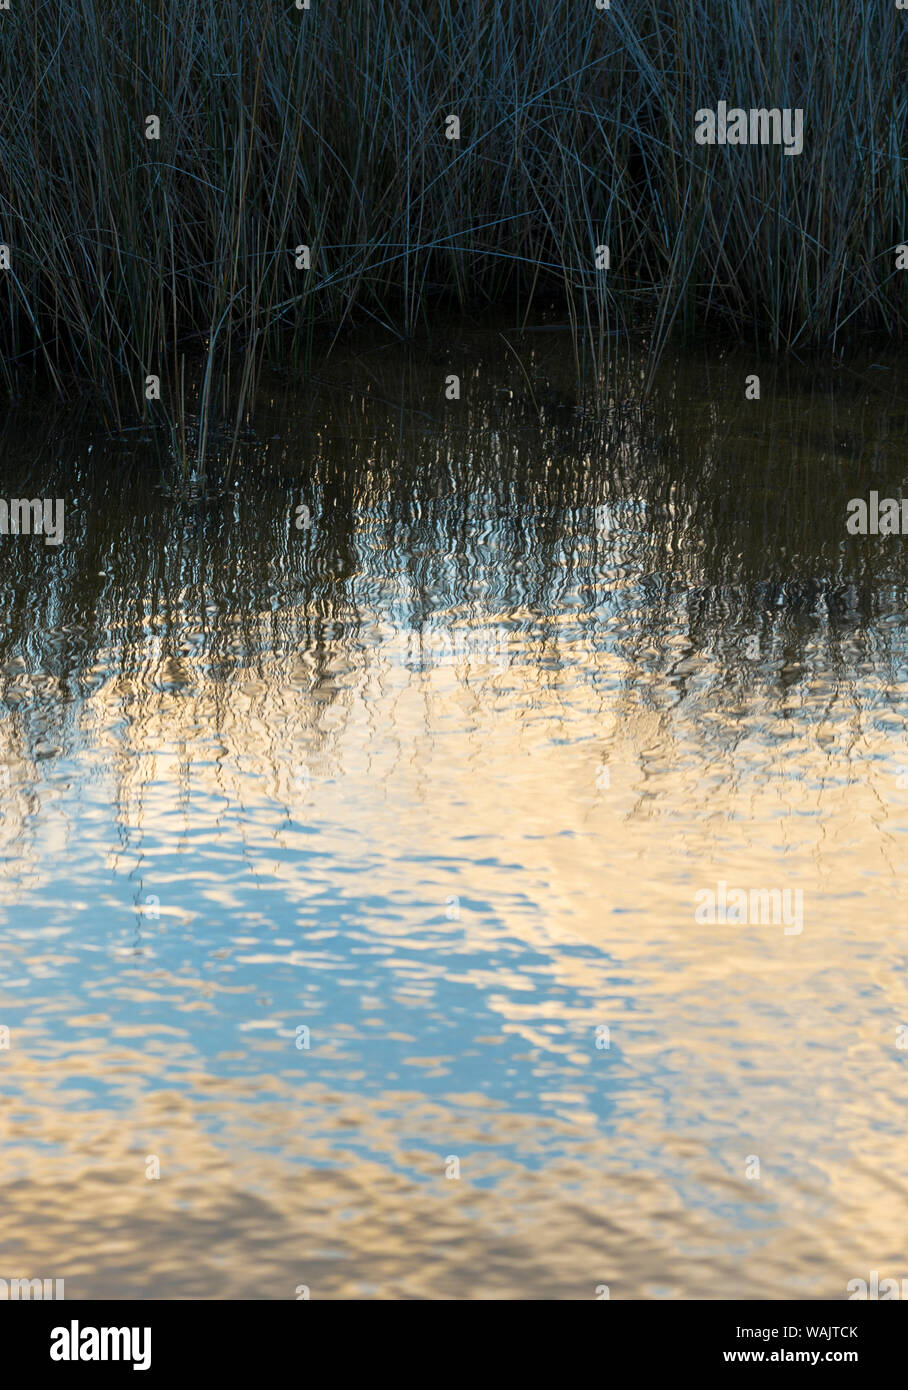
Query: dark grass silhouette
(326,127)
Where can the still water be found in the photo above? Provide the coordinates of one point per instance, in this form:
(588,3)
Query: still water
(355,807)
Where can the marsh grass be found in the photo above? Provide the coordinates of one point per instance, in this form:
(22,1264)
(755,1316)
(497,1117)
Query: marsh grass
(325,127)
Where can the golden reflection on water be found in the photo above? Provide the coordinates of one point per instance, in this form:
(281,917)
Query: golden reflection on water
(442,787)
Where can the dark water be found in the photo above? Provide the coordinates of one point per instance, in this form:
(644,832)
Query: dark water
(438,775)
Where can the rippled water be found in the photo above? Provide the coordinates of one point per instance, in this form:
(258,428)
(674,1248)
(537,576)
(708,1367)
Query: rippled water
(438,777)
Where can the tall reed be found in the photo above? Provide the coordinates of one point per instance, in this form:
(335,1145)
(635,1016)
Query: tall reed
(326,127)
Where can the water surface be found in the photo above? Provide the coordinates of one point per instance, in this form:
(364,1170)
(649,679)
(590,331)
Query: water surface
(437,775)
